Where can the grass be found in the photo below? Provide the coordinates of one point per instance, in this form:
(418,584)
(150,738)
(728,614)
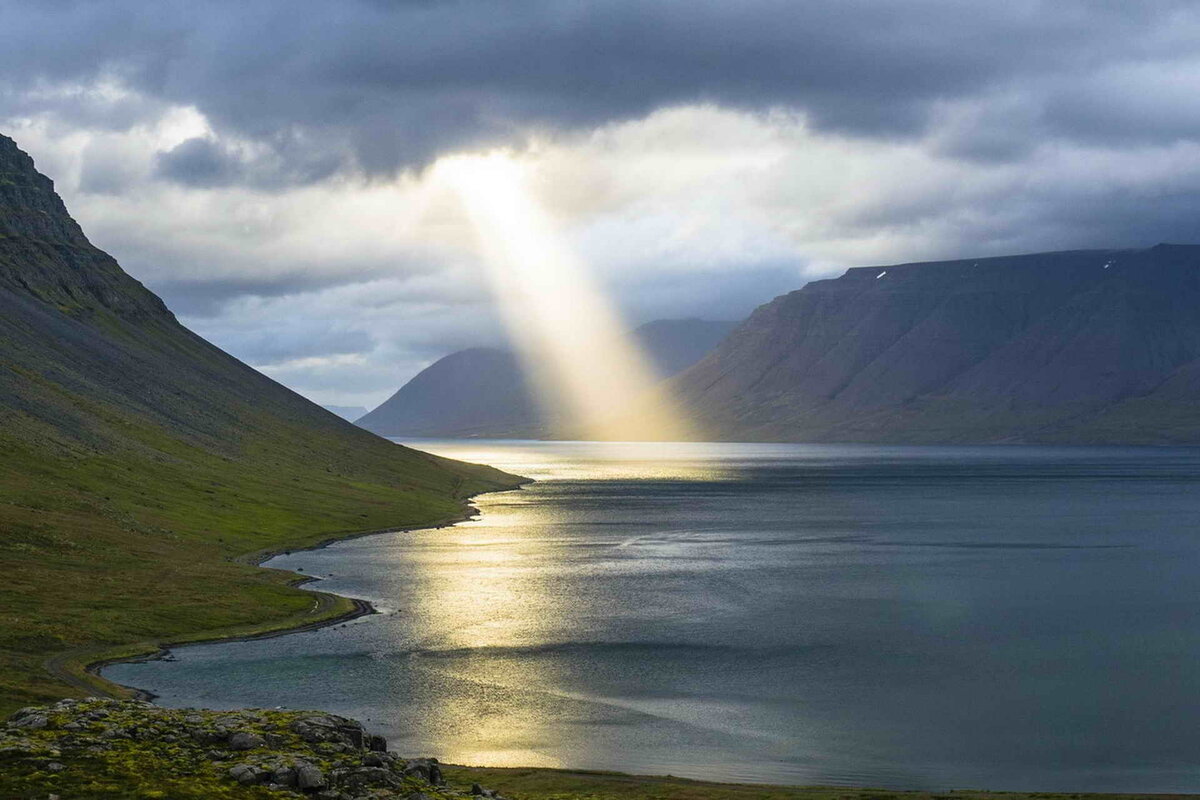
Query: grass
(94,749)
(120,530)
(139,464)
(105,551)
(551,784)
(133,752)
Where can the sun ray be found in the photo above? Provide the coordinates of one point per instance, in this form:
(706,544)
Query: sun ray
(589,371)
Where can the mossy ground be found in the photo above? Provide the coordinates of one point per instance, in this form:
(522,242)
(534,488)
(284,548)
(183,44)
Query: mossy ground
(550,784)
(156,753)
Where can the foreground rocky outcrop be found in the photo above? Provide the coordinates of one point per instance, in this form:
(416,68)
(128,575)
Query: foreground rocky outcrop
(131,748)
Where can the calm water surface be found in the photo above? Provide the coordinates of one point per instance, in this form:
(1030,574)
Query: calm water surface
(1005,617)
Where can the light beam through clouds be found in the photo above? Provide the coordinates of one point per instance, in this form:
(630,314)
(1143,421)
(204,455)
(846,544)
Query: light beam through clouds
(587,370)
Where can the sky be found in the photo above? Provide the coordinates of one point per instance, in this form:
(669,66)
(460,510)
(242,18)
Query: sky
(269,168)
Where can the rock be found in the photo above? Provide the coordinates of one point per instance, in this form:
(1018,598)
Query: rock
(244,740)
(356,781)
(31,721)
(330,729)
(309,777)
(205,736)
(21,713)
(284,776)
(476,789)
(54,766)
(216,755)
(248,774)
(426,769)
(377,759)
(376,743)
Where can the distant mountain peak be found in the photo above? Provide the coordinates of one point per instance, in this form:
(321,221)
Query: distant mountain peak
(484,391)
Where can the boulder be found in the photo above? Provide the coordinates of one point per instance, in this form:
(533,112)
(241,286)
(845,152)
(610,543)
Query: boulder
(249,774)
(244,740)
(284,775)
(358,780)
(33,721)
(309,776)
(426,769)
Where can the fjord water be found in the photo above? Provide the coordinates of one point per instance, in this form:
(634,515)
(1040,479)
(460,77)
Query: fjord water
(1000,617)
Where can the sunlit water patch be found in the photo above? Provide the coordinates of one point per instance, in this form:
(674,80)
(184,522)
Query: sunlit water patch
(1008,617)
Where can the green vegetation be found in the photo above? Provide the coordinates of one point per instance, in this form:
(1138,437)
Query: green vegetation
(99,748)
(139,465)
(127,549)
(551,784)
(130,749)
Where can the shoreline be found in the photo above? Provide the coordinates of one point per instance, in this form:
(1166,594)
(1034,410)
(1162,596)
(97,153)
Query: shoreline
(81,668)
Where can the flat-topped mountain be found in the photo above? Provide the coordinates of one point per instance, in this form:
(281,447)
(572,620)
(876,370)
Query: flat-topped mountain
(486,391)
(1094,346)
(137,459)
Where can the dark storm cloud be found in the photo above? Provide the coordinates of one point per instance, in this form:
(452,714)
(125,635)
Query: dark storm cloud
(890,131)
(390,85)
(200,162)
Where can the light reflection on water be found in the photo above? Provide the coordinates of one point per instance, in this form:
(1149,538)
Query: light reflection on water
(1002,617)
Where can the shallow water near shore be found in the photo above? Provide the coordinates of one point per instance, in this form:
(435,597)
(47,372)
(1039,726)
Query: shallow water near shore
(1020,618)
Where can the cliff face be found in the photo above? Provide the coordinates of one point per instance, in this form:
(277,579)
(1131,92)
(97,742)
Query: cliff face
(1078,347)
(485,391)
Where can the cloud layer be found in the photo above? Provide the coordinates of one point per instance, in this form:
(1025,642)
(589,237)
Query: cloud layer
(264,166)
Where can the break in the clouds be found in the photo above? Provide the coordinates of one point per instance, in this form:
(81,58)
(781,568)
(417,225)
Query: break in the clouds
(264,166)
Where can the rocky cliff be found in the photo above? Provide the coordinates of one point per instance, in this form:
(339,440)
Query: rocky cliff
(1099,346)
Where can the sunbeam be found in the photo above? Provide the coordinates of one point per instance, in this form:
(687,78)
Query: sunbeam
(588,370)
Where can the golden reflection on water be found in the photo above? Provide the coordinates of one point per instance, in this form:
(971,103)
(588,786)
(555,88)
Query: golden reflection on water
(481,608)
(488,598)
(662,461)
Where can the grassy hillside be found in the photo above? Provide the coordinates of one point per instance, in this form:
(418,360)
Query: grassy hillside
(137,462)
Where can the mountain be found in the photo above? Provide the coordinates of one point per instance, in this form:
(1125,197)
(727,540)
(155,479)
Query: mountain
(486,392)
(481,391)
(673,345)
(350,413)
(1092,346)
(138,461)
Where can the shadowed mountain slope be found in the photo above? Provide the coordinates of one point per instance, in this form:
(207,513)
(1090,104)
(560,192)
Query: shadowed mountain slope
(486,392)
(136,459)
(1095,346)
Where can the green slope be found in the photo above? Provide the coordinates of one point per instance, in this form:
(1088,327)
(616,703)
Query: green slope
(137,461)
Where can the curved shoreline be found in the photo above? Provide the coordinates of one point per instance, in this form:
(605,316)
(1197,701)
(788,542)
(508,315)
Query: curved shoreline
(80,668)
